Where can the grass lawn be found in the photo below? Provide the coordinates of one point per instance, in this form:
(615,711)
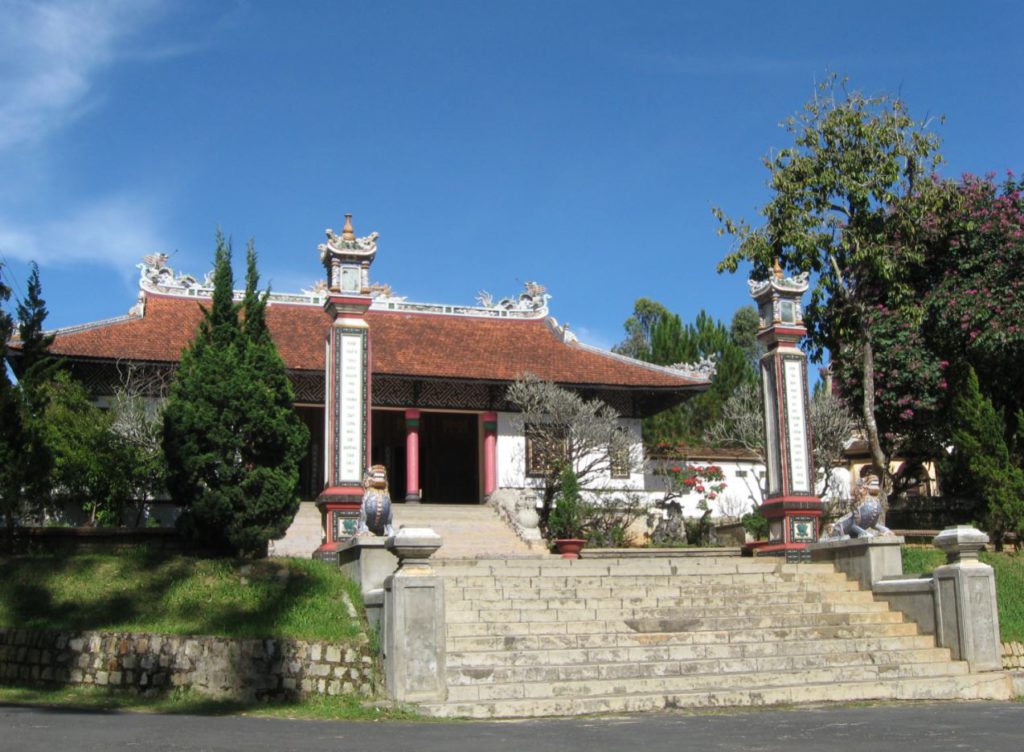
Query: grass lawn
(347,708)
(1009,568)
(147,591)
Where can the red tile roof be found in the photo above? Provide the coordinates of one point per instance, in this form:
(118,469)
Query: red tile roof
(404,344)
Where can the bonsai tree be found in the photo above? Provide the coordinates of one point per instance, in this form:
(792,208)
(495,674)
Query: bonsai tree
(568,516)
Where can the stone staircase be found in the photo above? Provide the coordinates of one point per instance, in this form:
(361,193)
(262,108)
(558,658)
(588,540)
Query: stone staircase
(469,531)
(303,536)
(548,637)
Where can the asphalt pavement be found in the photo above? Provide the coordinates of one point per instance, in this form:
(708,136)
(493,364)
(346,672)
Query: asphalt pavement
(982,726)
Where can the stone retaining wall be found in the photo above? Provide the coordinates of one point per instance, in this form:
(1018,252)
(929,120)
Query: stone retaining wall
(1013,655)
(219,666)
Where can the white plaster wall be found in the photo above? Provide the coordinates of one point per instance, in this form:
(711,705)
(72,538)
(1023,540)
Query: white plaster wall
(511,451)
(742,487)
(839,486)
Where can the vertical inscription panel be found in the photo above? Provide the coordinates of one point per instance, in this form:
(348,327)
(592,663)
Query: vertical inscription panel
(796,425)
(771,427)
(349,406)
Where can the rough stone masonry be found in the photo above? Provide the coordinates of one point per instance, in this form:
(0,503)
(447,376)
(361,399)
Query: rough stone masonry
(151,663)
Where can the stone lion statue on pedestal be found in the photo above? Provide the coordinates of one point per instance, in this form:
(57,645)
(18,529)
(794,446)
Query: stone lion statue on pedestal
(863,521)
(375,512)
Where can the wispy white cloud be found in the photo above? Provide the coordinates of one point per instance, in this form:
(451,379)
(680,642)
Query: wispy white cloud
(51,54)
(594,337)
(115,231)
(54,55)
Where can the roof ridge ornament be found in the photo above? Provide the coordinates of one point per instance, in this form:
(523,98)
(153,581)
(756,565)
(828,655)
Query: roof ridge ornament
(796,283)
(703,370)
(347,244)
(157,276)
(347,259)
(533,299)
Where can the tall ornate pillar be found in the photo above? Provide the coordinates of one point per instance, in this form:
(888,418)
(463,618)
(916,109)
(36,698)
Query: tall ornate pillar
(791,506)
(490,426)
(347,260)
(412,456)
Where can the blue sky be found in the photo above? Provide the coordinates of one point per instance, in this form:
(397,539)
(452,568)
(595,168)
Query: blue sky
(578,144)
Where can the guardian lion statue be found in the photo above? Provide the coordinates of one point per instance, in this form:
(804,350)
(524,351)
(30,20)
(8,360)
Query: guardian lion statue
(375,512)
(863,521)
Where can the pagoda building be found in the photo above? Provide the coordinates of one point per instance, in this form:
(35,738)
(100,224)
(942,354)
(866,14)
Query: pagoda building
(422,385)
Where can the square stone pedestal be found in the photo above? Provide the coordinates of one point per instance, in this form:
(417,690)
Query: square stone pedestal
(367,560)
(867,560)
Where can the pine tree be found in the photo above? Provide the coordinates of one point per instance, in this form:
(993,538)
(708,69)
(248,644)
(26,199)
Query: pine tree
(37,365)
(10,425)
(671,343)
(25,459)
(980,463)
(231,437)
(273,437)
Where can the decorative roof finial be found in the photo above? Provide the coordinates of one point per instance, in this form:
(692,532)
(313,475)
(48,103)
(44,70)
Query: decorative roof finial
(348,232)
(777,270)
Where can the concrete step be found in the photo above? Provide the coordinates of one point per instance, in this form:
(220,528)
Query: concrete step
(785,603)
(580,634)
(303,536)
(680,594)
(677,587)
(468,531)
(718,681)
(543,690)
(595,649)
(556,566)
(671,620)
(958,687)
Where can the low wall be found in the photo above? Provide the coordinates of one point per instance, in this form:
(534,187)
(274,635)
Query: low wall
(1013,655)
(69,540)
(219,666)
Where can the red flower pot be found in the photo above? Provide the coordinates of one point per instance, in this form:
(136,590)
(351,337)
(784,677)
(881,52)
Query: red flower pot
(569,548)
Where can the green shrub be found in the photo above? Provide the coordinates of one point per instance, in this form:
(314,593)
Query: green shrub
(756,524)
(567,518)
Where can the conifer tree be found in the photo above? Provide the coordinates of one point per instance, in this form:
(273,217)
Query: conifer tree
(672,342)
(980,464)
(24,456)
(273,438)
(37,365)
(231,437)
(10,424)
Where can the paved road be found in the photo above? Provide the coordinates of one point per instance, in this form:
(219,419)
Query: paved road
(986,727)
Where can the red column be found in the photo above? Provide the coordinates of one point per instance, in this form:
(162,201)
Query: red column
(412,456)
(490,421)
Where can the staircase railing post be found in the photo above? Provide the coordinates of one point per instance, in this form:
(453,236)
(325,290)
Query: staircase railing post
(414,620)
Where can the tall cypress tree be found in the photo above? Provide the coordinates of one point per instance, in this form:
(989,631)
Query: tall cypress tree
(672,342)
(204,469)
(25,459)
(231,437)
(272,436)
(37,365)
(980,465)
(10,425)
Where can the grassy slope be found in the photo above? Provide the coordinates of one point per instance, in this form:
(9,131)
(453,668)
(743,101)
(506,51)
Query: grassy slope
(316,707)
(1009,583)
(141,591)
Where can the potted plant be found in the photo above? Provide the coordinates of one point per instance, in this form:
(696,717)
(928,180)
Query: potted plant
(566,521)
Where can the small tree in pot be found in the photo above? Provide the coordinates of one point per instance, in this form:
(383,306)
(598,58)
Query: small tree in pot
(566,522)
